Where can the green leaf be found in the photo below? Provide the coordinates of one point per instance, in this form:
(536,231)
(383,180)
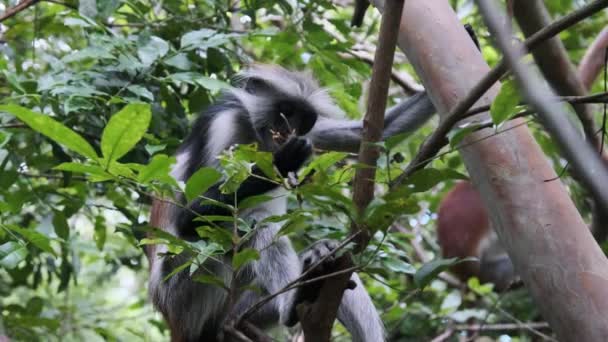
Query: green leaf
(60,223)
(124,130)
(253,201)
(219,235)
(179,61)
(93,170)
(458,133)
(12,80)
(194,78)
(322,163)
(178,269)
(51,128)
(193,38)
(209,279)
(425,179)
(244,256)
(11,254)
(201,181)
(159,168)
(100,232)
(153,49)
(430,270)
(399,266)
(505,103)
(34,237)
(141,92)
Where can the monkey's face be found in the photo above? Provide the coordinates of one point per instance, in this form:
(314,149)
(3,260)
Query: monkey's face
(287,118)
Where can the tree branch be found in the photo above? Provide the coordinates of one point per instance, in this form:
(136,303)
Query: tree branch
(593,60)
(437,139)
(502,326)
(23,5)
(373,122)
(552,59)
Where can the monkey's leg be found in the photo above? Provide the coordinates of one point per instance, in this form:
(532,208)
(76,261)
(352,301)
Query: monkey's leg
(356,312)
(278,266)
(194,311)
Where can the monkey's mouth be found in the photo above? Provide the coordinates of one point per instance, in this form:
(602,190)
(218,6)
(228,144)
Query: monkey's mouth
(280,136)
(282,130)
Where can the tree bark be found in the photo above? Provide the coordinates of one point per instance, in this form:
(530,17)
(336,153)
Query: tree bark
(593,60)
(536,221)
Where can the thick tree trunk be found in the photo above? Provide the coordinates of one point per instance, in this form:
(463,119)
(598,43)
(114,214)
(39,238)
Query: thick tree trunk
(536,221)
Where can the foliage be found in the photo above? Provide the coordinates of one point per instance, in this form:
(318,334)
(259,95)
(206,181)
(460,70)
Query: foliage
(97,95)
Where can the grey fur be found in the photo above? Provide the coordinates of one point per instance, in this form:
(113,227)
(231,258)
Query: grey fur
(345,135)
(196,310)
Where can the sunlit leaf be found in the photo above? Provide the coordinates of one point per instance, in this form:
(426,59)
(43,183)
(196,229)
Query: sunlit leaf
(152,50)
(124,130)
(505,104)
(201,181)
(11,254)
(430,270)
(34,237)
(51,128)
(243,257)
(60,223)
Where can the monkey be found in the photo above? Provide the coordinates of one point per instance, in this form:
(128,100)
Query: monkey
(285,113)
(464,230)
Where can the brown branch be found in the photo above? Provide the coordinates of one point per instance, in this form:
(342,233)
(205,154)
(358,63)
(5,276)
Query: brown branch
(373,122)
(444,336)
(553,61)
(23,5)
(16,125)
(437,139)
(593,60)
(502,326)
(253,332)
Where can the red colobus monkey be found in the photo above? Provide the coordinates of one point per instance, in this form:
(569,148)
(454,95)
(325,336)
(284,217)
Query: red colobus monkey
(285,113)
(464,230)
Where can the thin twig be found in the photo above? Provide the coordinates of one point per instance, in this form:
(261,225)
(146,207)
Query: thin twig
(501,326)
(22,6)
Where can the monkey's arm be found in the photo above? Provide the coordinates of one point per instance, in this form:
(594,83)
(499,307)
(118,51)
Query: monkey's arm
(252,186)
(290,157)
(345,135)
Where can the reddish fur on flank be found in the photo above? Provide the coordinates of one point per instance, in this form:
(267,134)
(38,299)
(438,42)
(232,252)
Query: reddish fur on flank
(159,218)
(462,224)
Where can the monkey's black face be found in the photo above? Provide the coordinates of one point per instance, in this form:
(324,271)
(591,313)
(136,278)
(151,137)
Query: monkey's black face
(288,117)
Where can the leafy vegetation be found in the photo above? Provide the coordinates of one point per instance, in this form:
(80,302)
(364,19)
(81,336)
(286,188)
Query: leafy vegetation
(97,95)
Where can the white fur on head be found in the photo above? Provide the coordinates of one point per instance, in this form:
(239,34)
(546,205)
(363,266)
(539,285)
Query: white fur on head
(296,84)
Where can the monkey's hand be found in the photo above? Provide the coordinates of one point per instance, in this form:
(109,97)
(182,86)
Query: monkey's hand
(322,249)
(292,155)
